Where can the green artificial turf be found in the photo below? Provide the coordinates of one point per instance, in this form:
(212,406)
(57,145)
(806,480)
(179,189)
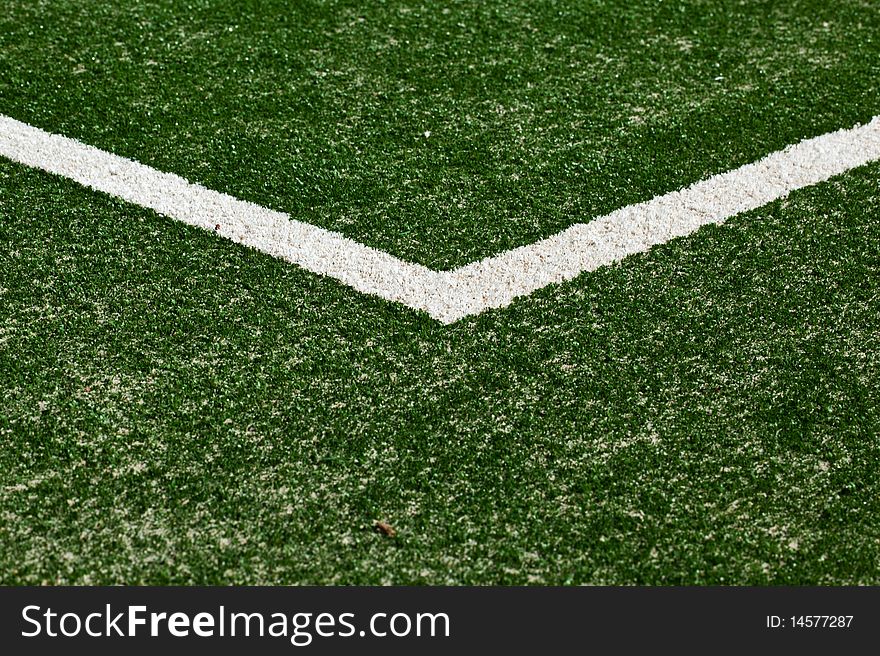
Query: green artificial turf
(178,409)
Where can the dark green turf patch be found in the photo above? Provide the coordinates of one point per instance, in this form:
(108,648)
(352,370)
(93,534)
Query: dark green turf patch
(540,114)
(176,409)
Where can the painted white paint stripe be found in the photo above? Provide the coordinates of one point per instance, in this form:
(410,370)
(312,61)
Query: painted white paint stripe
(494,282)
(327,253)
(490,283)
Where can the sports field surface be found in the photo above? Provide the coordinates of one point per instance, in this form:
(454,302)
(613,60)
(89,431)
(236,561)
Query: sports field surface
(563,292)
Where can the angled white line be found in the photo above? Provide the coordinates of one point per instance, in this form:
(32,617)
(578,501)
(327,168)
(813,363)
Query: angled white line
(327,253)
(490,283)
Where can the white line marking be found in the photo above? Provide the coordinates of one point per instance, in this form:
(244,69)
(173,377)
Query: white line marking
(493,282)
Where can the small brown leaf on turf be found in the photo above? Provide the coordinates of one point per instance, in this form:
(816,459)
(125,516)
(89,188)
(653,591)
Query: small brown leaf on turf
(385,529)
